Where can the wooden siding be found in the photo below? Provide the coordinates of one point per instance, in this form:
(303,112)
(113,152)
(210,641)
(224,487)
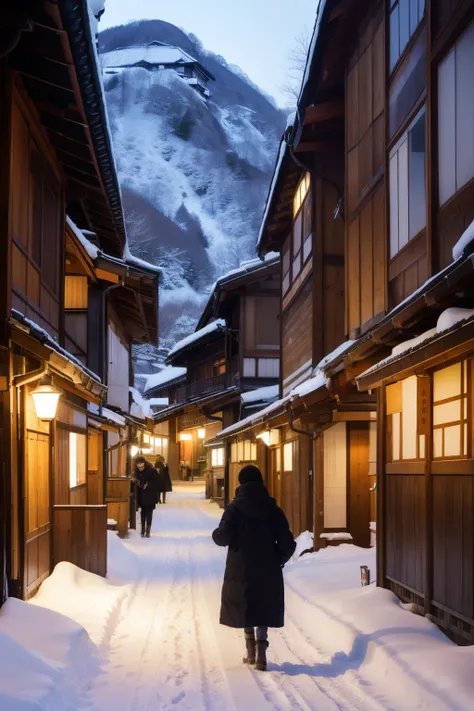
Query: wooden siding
(359,485)
(118,370)
(365,194)
(405,530)
(80,537)
(297,332)
(37,510)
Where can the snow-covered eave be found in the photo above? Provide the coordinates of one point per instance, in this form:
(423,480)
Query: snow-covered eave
(271,193)
(90,381)
(311,52)
(77,19)
(428,345)
(196,338)
(230,394)
(164,379)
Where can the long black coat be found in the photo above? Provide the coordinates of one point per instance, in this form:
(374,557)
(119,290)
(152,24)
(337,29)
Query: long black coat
(164,477)
(148,486)
(260,543)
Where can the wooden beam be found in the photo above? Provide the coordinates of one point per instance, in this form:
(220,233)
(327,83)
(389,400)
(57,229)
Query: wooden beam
(324,112)
(317,147)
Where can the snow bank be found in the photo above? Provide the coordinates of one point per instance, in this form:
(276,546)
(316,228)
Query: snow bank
(122,563)
(197,335)
(367,631)
(167,375)
(45,658)
(88,599)
(466,238)
(304,543)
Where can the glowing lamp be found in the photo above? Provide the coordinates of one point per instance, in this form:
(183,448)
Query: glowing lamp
(185,437)
(202,433)
(134,450)
(265,437)
(45,398)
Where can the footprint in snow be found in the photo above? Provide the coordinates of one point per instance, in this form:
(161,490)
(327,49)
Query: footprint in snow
(178,698)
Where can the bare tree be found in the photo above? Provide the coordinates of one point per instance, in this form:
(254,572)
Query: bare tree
(296,64)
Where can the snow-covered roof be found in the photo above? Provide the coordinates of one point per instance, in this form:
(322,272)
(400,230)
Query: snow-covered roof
(312,48)
(197,336)
(266,394)
(114,417)
(330,357)
(466,238)
(276,173)
(92,250)
(154,53)
(46,338)
(165,376)
(448,319)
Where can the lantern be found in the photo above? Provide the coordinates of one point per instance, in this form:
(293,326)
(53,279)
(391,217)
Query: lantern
(201,433)
(45,397)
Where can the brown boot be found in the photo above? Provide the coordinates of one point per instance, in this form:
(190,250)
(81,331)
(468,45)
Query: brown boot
(261,661)
(251,649)
(148,531)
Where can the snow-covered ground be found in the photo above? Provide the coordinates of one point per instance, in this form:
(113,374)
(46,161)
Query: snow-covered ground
(149,638)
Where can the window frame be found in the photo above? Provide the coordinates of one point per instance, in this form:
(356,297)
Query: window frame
(465,396)
(394,8)
(302,207)
(394,152)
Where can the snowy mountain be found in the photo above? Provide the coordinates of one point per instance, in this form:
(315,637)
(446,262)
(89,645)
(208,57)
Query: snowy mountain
(194,171)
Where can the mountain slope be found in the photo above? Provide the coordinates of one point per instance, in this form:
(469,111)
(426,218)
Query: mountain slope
(194,173)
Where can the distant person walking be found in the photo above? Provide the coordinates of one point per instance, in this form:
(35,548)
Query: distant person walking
(147,480)
(165,478)
(260,543)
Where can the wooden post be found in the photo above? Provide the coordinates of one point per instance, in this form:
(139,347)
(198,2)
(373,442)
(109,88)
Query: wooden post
(318,488)
(227,472)
(5,173)
(381,503)
(427,383)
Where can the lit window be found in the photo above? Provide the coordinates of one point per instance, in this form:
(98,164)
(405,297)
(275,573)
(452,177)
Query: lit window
(243,451)
(455,112)
(75,292)
(288,457)
(405,16)
(408,186)
(298,246)
(217,457)
(402,402)
(268,367)
(77,459)
(450,408)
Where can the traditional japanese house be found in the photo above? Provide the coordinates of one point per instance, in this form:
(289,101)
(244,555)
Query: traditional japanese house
(235,349)
(57,304)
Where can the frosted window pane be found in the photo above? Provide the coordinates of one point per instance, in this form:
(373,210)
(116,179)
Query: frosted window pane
(465,439)
(297,227)
(296,266)
(394,38)
(253,454)
(421,5)
(393,205)
(409,417)
(464,367)
(452,441)
(396,437)
(249,367)
(413,16)
(335,476)
(404,24)
(464,409)
(447,382)
(449,412)
(288,457)
(403,195)
(233,452)
(240,452)
(307,247)
(422,444)
(437,443)
(465,108)
(447,128)
(417,177)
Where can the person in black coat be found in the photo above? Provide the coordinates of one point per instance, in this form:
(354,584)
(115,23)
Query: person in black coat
(165,478)
(146,478)
(260,543)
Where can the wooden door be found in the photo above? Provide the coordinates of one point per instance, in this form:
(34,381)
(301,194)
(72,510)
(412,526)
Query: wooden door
(274,466)
(359,483)
(37,511)
(95,477)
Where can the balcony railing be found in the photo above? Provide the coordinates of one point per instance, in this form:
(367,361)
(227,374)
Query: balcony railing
(201,388)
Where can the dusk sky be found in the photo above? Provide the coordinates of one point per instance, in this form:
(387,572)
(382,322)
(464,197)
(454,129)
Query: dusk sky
(258,35)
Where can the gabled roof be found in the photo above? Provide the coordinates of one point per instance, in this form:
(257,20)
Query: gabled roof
(58,66)
(247,273)
(155,53)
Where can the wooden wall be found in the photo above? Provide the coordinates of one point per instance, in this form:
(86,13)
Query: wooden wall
(37,223)
(365,193)
(80,537)
(297,345)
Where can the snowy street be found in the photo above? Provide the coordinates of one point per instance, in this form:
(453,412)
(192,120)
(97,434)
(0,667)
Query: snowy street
(167,650)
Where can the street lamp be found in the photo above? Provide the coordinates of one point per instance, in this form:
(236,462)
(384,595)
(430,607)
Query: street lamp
(45,397)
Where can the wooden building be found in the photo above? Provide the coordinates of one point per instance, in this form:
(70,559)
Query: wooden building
(384,127)
(235,349)
(65,305)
